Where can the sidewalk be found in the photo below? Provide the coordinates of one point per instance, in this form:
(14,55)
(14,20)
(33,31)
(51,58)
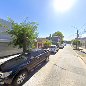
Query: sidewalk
(83,50)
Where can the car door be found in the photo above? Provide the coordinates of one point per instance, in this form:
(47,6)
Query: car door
(32,60)
(41,55)
(44,54)
(38,55)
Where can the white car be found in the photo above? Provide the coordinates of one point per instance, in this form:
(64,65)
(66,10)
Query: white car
(61,46)
(53,49)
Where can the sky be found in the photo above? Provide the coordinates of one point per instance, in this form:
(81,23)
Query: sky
(52,15)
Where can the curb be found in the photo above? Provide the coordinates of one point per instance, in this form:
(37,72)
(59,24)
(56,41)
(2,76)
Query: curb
(79,56)
(83,51)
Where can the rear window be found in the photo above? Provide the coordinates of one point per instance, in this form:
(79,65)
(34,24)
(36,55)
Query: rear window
(35,53)
(41,51)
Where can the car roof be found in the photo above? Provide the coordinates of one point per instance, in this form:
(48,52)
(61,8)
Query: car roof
(36,49)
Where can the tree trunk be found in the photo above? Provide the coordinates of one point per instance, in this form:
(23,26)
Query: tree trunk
(76,45)
(24,48)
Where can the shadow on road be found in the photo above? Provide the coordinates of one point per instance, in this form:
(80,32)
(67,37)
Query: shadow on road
(52,53)
(77,49)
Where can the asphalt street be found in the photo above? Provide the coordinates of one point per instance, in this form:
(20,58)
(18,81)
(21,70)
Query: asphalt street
(65,68)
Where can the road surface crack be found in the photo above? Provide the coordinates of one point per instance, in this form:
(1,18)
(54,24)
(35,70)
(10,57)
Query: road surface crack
(60,67)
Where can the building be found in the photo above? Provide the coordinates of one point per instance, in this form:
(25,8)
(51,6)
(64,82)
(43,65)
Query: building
(56,39)
(3,34)
(40,42)
(83,42)
(5,39)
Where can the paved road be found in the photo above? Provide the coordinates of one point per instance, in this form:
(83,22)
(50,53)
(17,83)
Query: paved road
(65,68)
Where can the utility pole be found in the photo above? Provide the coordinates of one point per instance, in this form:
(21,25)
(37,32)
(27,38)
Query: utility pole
(77,39)
(50,37)
(77,34)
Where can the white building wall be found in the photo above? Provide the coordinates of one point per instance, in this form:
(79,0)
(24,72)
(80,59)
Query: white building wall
(3,34)
(5,39)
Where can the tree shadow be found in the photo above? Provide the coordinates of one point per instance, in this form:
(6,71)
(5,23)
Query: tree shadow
(77,49)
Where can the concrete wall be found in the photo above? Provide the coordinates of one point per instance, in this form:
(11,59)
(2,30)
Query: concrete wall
(5,39)
(83,44)
(3,34)
(8,50)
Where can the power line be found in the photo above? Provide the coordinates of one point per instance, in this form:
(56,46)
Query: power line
(80,33)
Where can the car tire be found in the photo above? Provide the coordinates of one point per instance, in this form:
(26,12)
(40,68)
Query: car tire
(47,59)
(57,50)
(20,78)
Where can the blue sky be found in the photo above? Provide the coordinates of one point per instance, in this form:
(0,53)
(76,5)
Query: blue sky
(43,12)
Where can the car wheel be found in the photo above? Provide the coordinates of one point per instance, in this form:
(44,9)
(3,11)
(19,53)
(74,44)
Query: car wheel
(20,78)
(47,59)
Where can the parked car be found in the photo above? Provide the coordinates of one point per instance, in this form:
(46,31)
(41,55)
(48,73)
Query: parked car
(61,46)
(53,48)
(64,44)
(16,70)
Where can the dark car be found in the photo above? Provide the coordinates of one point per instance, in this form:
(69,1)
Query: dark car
(16,70)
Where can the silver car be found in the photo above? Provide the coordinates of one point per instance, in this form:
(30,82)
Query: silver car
(53,48)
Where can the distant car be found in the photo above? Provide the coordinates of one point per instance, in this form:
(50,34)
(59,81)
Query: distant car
(16,70)
(61,46)
(64,44)
(53,48)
